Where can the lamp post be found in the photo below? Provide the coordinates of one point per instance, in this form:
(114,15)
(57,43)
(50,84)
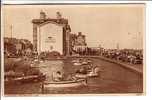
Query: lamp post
(11,28)
(39,30)
(100,50)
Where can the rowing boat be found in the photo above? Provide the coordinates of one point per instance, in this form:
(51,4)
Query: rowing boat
(90,74)
(63,84)
(77,64)
(84,63)
(29,78)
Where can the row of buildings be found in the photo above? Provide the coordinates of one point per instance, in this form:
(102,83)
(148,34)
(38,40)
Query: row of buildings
(22,47)
(17,47)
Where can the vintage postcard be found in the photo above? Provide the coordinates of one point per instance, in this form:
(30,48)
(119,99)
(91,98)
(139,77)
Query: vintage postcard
(93,49)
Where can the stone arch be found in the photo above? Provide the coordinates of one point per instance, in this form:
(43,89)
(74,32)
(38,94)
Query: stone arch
(60,22)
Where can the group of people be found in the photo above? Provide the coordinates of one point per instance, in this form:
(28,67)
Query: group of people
(57,76)
(130,56)
(88,69)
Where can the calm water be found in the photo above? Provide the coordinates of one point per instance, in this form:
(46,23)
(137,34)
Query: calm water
(113,79)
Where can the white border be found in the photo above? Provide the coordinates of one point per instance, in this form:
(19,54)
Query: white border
(70,1)
(148,57)
(149,48)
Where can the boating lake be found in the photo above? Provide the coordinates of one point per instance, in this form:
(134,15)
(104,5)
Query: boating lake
(113,79)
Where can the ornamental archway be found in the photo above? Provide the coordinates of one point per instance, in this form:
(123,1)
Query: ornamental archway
(59,22)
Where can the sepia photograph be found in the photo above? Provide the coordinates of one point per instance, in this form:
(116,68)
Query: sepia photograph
(85,49)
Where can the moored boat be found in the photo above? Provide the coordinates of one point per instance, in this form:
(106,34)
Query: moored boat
(86,75)
(81,75)
(90,73)
(84,63)
(77,63)
(63,84)
(29,78)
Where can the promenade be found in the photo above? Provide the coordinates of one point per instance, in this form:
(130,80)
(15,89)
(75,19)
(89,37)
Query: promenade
(134,67)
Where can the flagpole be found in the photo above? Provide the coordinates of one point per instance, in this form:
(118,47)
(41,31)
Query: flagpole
(39,40)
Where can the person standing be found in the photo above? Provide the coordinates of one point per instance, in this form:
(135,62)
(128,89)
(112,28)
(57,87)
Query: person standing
(58,76)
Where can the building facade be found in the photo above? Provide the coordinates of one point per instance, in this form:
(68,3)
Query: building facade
(78,43)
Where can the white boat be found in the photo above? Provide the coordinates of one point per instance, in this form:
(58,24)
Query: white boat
(81,75)
(29,78)
(90,74)
(77,63)
(63,84)
(36,60)
(41,61)
(84,63)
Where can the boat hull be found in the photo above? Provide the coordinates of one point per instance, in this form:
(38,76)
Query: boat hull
(84,63)
(80,82)
(26,79)
(77,64)
(86,75)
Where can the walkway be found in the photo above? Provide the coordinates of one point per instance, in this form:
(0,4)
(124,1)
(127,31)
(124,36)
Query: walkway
(135,67)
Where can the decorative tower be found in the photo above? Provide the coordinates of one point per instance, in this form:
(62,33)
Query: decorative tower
(58,15)
(42,15)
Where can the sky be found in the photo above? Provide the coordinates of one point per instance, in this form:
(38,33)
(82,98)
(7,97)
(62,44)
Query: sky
(105,25)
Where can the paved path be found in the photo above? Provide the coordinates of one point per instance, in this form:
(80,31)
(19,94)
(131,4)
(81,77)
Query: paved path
(134,67)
